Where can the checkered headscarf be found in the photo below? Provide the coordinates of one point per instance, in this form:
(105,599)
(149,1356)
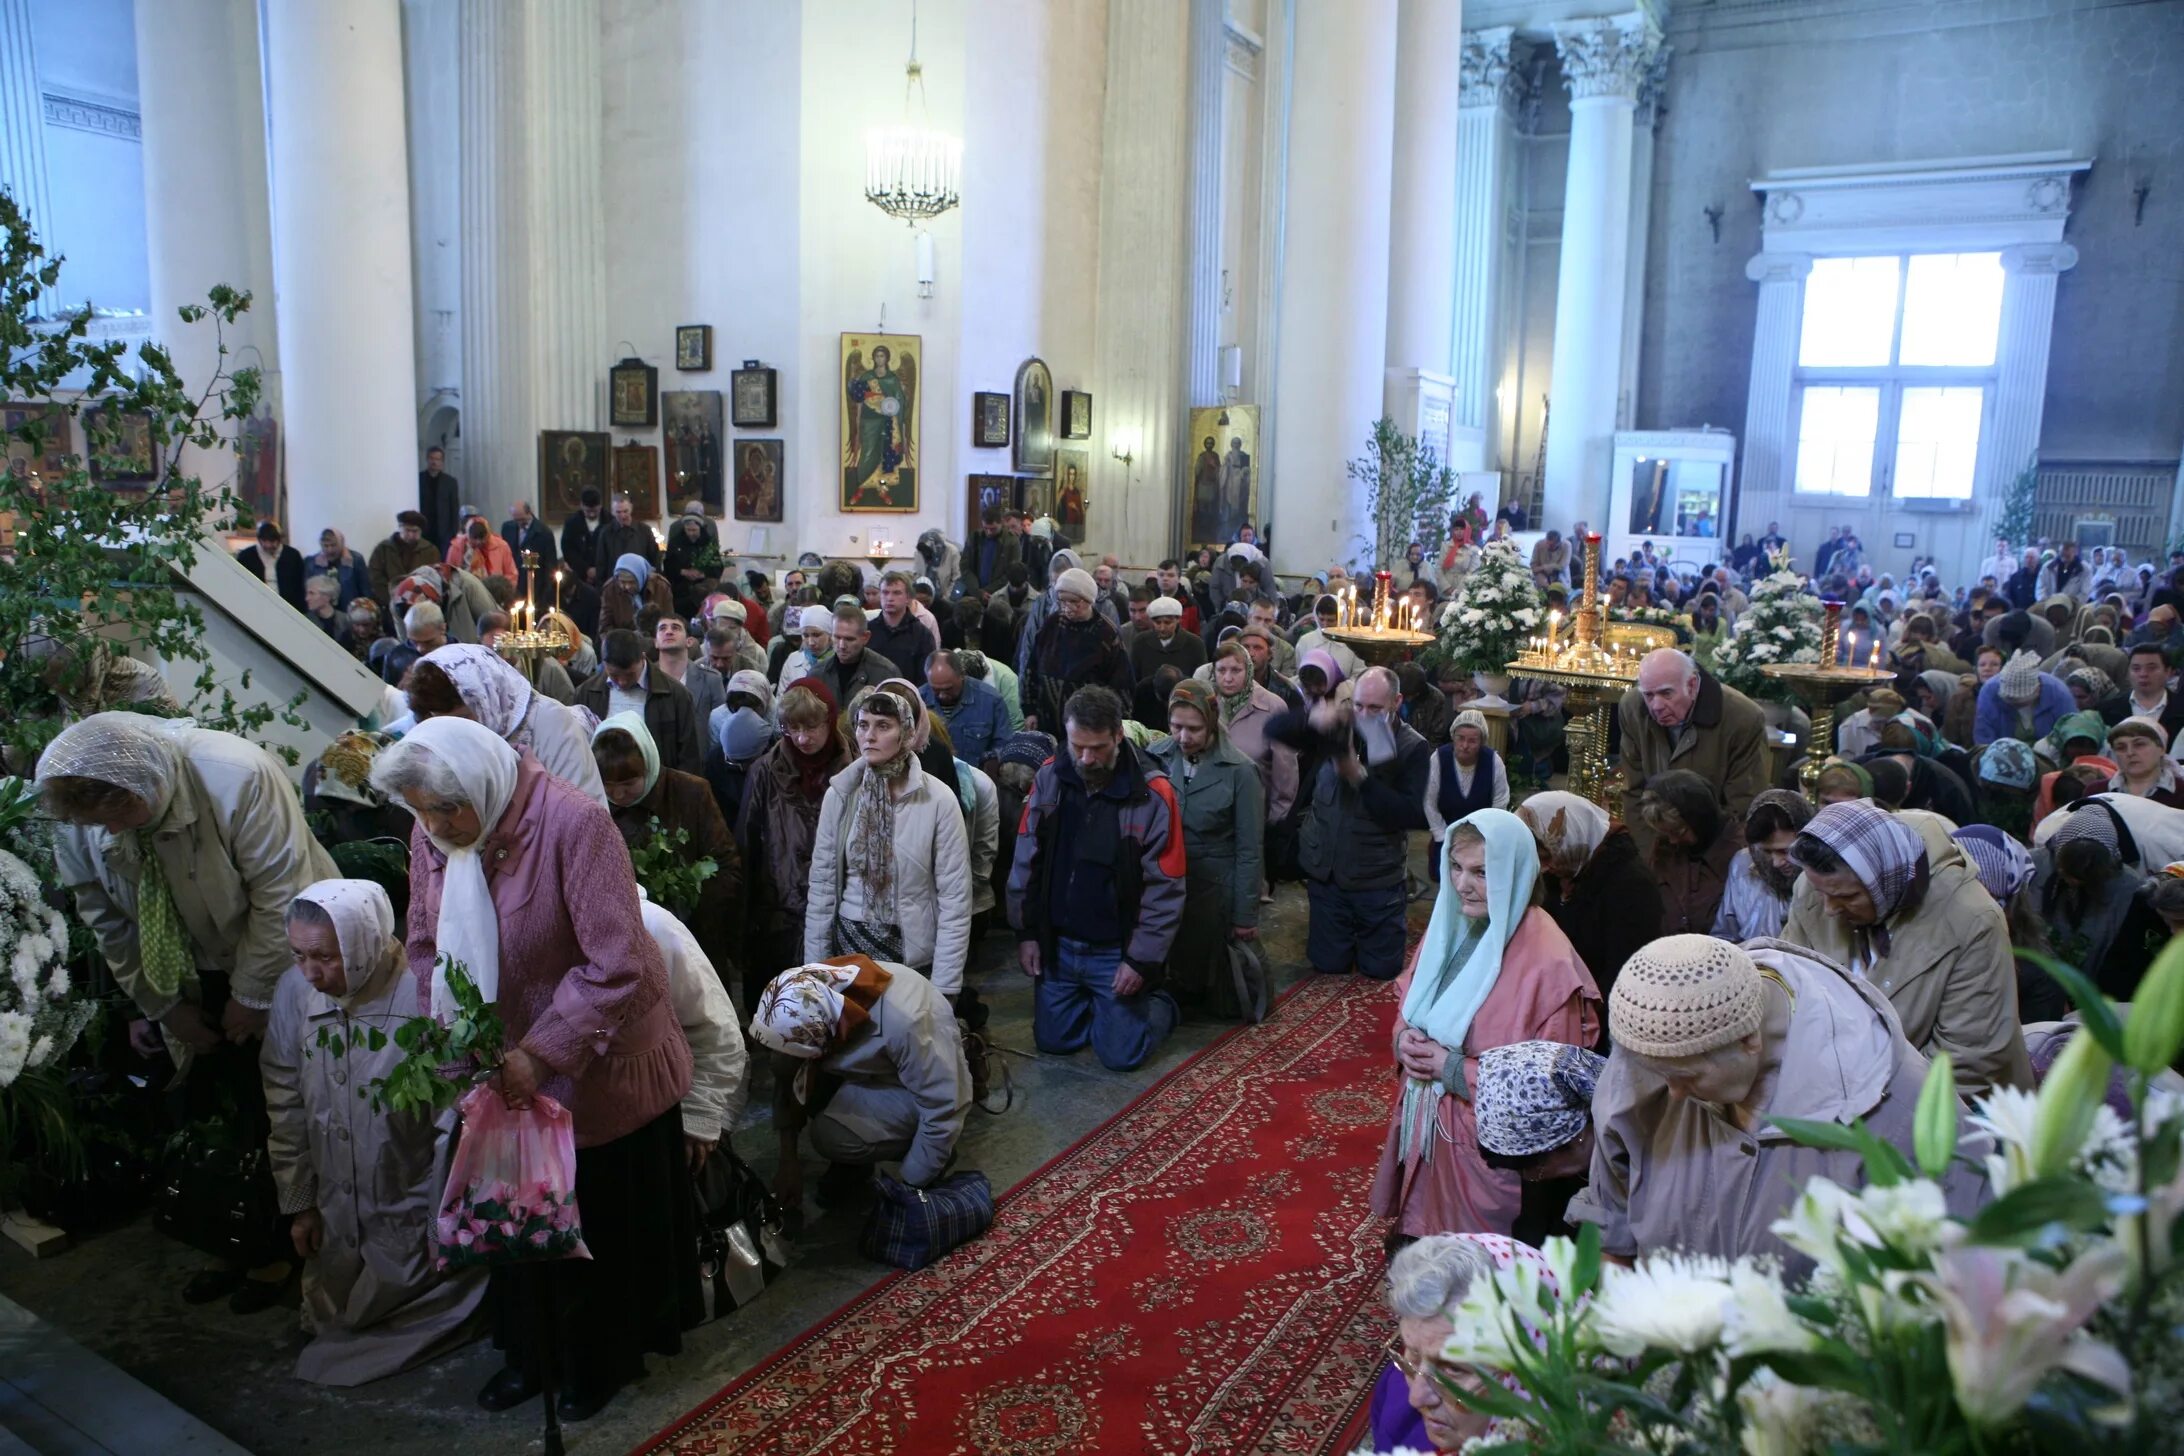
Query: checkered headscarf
(1880,849)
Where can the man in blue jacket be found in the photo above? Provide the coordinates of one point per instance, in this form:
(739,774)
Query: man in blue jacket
(977,719)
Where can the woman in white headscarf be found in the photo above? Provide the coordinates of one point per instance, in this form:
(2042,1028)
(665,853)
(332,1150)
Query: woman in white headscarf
(1593,874)
(1493,969)
(524,881)
(463,681)
(363,1186)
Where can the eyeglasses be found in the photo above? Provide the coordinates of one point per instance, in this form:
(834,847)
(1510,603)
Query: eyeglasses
(1447,1378)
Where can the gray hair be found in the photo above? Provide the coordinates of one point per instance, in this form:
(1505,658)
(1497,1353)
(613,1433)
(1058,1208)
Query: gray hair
(423,614)
(329,585)
(407,764)
(308,912)
(1688,663)
(1430,1278)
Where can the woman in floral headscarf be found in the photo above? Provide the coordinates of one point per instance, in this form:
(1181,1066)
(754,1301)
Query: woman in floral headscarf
(463,681)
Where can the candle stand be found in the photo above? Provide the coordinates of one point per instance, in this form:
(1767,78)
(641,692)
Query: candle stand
(1820,686)
(1594,674)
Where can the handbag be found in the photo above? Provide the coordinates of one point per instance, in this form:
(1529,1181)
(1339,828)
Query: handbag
(1247,971)
(220,1199)
(741,1246)
(912,1227)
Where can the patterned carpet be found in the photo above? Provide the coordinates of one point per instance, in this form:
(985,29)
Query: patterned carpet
(1201,1274)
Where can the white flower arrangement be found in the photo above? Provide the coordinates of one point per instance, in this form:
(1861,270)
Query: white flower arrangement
(39,1018)
(1488,622)
(1782,624)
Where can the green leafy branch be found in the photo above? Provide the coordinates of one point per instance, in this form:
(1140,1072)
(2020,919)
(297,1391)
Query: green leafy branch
(667,870)
(439,1063)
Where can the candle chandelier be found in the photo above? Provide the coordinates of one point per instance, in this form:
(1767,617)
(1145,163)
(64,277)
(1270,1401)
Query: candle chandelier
(911,171)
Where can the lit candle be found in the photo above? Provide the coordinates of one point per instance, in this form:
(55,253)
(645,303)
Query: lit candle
(1875,660)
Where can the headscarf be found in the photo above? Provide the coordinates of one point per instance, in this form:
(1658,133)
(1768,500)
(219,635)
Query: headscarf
(809,1008)
(919,727)
(1324,660)
(1200,697)
(1886,855)
(363,919)
(491,689)
(2003,865)
(1534,1096)
(1234,703)
(1569,825)
(871,841)
(2098,684)
(634,725)
(339,556)
(751,682)
(636,566)
(468,929)
(1943,685)
(743,734)
(2082,724)
(1836,770)
(1459,962)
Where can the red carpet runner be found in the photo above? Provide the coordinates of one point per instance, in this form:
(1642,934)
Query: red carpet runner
(1199,1275)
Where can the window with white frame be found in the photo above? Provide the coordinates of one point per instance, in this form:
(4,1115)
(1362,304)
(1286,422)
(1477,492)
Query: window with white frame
(1895,366)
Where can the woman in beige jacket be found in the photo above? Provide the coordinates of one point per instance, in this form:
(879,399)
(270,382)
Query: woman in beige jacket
(890,860)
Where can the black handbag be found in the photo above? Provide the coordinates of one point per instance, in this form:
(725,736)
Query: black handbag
(741,1246)
(220,1199)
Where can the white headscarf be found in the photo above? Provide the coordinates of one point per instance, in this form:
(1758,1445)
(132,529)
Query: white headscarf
(128,750)
(363,919)
(490,688)
(469,928)
(1584,825)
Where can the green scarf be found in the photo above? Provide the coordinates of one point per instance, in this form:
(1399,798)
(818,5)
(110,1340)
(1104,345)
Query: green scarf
(163,947)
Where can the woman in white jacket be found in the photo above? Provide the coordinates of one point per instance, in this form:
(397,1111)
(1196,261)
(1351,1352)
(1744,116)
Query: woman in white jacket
(891,863)
(720,1064)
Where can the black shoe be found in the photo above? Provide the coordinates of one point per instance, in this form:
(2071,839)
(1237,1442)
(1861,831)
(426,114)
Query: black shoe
(207,1285)
(256,1295)
(842,1183)
(507,1390)
(582,1402)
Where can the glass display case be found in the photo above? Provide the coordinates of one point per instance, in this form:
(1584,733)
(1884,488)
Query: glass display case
(1675,488)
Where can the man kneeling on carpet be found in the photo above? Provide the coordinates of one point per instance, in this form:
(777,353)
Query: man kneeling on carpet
(867,1058)
(1096,893)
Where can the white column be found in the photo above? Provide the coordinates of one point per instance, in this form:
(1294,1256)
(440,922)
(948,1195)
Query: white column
(1603,62)
(1770,440)
(534,349)
(1202,348)
(1482,155)
(1334,294)
(1422,204)
(1645,119)
(205,208)
(2030,272)
(22,129)
(1144,211)
(341,263)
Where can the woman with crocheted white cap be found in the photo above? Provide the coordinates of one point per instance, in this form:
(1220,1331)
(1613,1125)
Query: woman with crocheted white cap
(1713,1042)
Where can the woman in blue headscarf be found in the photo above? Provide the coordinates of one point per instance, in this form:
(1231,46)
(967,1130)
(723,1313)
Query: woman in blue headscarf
(629,589)
(1493,969)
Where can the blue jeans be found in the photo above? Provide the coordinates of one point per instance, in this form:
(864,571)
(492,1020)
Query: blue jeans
(1076,1004)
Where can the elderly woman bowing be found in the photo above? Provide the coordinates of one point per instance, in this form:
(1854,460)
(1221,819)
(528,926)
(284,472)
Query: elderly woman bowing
(524,881)
(1493,969)
(463,681)
(362,1186)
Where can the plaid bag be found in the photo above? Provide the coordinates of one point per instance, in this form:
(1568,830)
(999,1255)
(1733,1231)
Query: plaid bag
(912,1227)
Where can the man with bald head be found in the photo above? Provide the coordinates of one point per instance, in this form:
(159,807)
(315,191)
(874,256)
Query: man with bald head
(1681,716)
(1367,796)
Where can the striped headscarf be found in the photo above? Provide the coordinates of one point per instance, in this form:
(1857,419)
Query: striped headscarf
(1885,854)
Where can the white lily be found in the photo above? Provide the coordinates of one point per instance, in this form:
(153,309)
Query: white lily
(1758,1318)
(1668,1302)
(1815,1223)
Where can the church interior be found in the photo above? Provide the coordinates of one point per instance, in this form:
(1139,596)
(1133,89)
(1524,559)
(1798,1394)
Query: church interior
(766,428)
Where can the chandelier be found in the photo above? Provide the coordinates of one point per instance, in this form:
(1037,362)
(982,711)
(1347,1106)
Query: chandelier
(911,171)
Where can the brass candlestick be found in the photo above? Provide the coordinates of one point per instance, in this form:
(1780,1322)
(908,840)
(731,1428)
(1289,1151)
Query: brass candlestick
(1594,669)
(1821,685)
(1388,633)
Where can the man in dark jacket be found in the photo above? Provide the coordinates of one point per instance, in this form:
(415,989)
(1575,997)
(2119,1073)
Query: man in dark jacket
(439,500)
(1166,644)
(398,556)
(627,679)
(1096,891)
(2146,693)
(523,532)
(897,634)
(1367,797)
(580,540)
(1678,716)
(986,561)
(854,664)
(285,562)
(624,536)
(1075,649)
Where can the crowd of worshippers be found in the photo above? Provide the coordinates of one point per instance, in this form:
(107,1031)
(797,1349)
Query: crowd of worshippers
(889,770)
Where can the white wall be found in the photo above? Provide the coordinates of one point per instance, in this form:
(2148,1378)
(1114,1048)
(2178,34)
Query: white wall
(86,51)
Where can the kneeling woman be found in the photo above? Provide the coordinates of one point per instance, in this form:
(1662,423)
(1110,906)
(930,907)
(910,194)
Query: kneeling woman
(363,1186)
(523,880)
(1493,969)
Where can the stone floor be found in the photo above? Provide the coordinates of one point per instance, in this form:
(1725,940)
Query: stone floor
(115,1293)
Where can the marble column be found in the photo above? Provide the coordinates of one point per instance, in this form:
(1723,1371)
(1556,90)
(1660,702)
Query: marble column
(205,206)
(1202,347)
(534,347)
(1334,292)
(1422,203)
(1645,122)
(2030,272)
(341,263)
(1770,439)
(1603,62)
(22,129)
(1483,129)
(1145,207)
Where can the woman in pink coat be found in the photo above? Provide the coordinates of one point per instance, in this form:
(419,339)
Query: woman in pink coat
(524,881)
(1493,969)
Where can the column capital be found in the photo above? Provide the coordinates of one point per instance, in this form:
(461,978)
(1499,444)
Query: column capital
(1485,74)
(1778,267)
(2039,258)
(1607,57)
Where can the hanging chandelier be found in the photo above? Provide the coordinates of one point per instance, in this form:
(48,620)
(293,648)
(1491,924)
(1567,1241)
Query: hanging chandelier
(911,171)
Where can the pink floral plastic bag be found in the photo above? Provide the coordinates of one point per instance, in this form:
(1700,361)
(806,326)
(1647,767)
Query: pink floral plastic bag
(511,1191)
